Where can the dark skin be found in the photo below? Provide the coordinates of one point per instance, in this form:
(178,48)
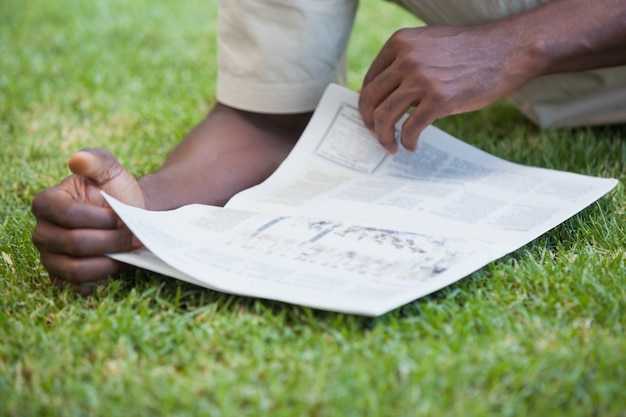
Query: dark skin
(440,71)
(437,70)
(228,151)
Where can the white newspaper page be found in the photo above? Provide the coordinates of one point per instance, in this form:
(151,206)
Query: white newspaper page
(316,262)
(343,226)
(447,187)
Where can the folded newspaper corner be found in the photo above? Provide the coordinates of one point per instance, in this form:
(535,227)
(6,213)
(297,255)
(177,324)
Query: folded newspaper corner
(343,226)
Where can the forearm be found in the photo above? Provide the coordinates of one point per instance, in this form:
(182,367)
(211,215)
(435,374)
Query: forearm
(604,59)
(227,152)
(570,35)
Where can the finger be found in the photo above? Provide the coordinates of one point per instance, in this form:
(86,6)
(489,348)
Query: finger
(49,237)
(78,271)
(62,285)
(58,282)
(96,164)
(54,205)
(418,120)
(374,93)
(84,290)
(101,167)
(388,113)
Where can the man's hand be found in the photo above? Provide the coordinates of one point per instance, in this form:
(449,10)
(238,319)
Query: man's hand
(438,71)
(75,227)
(230,150)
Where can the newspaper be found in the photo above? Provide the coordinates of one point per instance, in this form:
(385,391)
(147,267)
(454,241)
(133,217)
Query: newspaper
(343,226)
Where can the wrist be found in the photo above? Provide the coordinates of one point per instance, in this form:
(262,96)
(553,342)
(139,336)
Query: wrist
(153,191)
(147,185)
(525,54)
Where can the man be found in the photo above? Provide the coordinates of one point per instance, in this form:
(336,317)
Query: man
(276,58)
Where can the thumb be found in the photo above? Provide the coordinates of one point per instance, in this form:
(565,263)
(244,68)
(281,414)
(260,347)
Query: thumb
(105,172)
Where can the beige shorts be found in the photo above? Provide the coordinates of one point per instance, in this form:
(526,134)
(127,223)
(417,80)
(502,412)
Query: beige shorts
(278,56)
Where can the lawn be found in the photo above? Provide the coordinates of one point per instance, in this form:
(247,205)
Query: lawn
(539,332)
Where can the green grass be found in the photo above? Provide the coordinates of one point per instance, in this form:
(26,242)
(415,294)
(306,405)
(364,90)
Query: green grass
(539,332)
